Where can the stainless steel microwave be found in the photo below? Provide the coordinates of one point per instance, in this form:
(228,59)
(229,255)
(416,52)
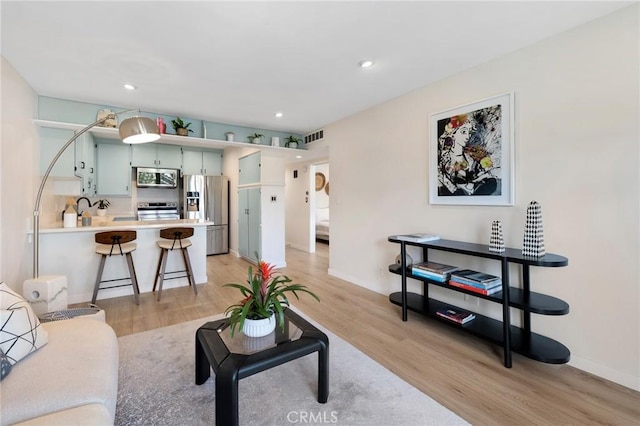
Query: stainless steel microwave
(156,178)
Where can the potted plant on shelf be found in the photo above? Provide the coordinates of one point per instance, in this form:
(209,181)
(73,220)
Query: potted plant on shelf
(255,138)
(181,127)
(292,141)
(102,206)
(264,301)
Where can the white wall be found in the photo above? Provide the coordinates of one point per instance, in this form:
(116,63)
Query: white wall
(302,199)
(18,180)
(576,124)
(298,206)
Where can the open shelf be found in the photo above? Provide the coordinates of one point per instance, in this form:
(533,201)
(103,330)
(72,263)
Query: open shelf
(535,302)
(171,139)
(531,345)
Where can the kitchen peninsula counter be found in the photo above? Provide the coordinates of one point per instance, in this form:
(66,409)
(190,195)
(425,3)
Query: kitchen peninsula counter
(98,225)
(71,252)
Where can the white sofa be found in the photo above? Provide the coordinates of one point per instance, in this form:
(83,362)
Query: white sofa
(72,380)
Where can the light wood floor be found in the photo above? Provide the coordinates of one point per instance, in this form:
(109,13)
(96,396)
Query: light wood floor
(463,373)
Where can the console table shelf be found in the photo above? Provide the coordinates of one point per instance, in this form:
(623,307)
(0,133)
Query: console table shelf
(517,339)
(535,302)
(531,345)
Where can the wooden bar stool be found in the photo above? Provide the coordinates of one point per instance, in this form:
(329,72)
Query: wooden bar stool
(174,238)
(116,243)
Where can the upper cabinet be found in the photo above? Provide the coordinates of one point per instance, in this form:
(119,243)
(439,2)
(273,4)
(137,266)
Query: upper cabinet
(156,155)
(78,160)
(207,163)
(86,163)
(249,169)
(113,169)
(51,140)
(261,168)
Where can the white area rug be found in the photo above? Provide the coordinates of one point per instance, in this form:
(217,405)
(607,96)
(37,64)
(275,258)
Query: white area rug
(157,387)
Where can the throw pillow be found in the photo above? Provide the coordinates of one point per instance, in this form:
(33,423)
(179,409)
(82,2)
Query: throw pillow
(5,365)
(20,330)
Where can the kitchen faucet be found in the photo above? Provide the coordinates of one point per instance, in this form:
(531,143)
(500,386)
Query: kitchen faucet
(78,203)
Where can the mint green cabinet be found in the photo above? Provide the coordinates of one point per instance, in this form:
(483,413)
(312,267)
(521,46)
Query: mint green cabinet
(156,155)
(249,222)
(113,169)
(85,155)
(249,169)
(212,163)
(51,140)
(207,163)
(77,161)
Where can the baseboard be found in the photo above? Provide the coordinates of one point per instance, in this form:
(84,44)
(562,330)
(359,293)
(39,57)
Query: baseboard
(597,369)
(354,280)
(298,247)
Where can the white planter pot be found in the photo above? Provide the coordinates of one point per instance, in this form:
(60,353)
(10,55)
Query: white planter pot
(101,212)
(293,145)
(257,140)
(259,328)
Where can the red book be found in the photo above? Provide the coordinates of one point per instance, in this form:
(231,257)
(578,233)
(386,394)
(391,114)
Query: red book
(456,315)
(476,289)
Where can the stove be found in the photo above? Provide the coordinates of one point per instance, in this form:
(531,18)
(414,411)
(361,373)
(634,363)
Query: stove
(158,210)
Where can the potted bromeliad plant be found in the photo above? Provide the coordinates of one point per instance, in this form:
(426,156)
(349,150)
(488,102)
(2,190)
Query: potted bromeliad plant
(265,297)
(181,127)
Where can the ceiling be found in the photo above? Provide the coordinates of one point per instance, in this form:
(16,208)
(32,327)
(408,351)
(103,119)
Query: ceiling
(241,62)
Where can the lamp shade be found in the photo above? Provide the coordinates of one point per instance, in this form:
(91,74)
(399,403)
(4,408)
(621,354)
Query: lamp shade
(138,130)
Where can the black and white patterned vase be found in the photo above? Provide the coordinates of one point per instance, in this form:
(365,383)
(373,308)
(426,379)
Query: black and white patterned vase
(496,241)
(533,239)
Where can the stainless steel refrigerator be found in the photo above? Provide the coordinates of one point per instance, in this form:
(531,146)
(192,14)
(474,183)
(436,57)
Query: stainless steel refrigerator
(207,197)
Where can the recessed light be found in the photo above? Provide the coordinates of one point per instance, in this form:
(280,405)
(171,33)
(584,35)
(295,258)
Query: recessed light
(366,64)
(298,156)
(278,114)
(130,86)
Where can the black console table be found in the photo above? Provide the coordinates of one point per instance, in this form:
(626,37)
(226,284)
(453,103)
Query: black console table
(518,339)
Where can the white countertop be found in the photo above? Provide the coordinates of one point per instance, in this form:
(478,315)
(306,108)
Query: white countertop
(106,224)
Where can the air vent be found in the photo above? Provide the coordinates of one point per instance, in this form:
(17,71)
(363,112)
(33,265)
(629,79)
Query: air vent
(315,136)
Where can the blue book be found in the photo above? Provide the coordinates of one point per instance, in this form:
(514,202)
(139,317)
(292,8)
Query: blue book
(431,275)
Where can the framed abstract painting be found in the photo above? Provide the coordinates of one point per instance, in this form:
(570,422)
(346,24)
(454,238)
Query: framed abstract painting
(471,154)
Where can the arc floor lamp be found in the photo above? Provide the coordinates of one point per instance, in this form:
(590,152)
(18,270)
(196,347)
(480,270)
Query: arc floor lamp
(132,130)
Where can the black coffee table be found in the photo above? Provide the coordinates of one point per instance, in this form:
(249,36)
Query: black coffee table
(235,358)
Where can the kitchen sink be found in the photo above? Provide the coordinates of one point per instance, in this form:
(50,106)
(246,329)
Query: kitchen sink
(124,218)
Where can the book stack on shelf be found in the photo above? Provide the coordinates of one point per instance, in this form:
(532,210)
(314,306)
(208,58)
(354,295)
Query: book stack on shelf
(433,270)
(455,315)
(418,237)
(477,282)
